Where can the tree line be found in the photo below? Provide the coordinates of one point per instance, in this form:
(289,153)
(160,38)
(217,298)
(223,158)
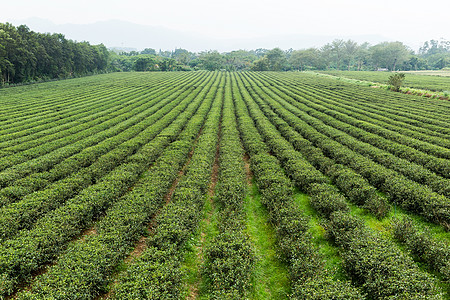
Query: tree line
(27,56)
(336,55)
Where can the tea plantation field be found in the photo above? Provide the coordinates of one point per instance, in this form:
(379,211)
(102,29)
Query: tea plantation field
(426,81)
(219,185)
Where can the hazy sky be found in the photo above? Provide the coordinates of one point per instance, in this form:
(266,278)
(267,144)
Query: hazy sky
(396,19)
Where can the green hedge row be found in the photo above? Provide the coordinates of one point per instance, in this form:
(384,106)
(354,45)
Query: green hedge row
(376,264)
(433,252)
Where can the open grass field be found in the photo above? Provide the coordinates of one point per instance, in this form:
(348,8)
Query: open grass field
(437,81)
(445,73)
(219,185)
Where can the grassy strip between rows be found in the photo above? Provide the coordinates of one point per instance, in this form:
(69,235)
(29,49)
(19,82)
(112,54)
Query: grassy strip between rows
(194,285)
(271,276)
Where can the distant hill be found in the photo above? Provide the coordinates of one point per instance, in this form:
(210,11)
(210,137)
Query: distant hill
(120,34)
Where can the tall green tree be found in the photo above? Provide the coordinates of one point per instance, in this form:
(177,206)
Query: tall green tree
(261,64)
(212,60)
(276,59)
(26,55)
(362,56)
(389,54)
(149,51)
(350,49)
(239,60)
(305,59)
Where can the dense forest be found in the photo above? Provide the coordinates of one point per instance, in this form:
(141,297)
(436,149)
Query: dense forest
(27,56)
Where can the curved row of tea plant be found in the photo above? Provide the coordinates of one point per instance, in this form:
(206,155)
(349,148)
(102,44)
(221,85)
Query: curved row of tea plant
(97,115)
(347,104)
(411,111)
(324,101)
(414,106)
(22,102)
(35,116)
(411,170)
(62,111)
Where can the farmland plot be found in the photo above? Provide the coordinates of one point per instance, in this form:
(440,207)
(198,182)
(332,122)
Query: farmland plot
(149,186)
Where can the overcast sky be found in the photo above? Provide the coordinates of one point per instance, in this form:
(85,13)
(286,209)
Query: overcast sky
(404,20)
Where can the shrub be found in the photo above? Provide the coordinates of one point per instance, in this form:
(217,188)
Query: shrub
(396,81)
